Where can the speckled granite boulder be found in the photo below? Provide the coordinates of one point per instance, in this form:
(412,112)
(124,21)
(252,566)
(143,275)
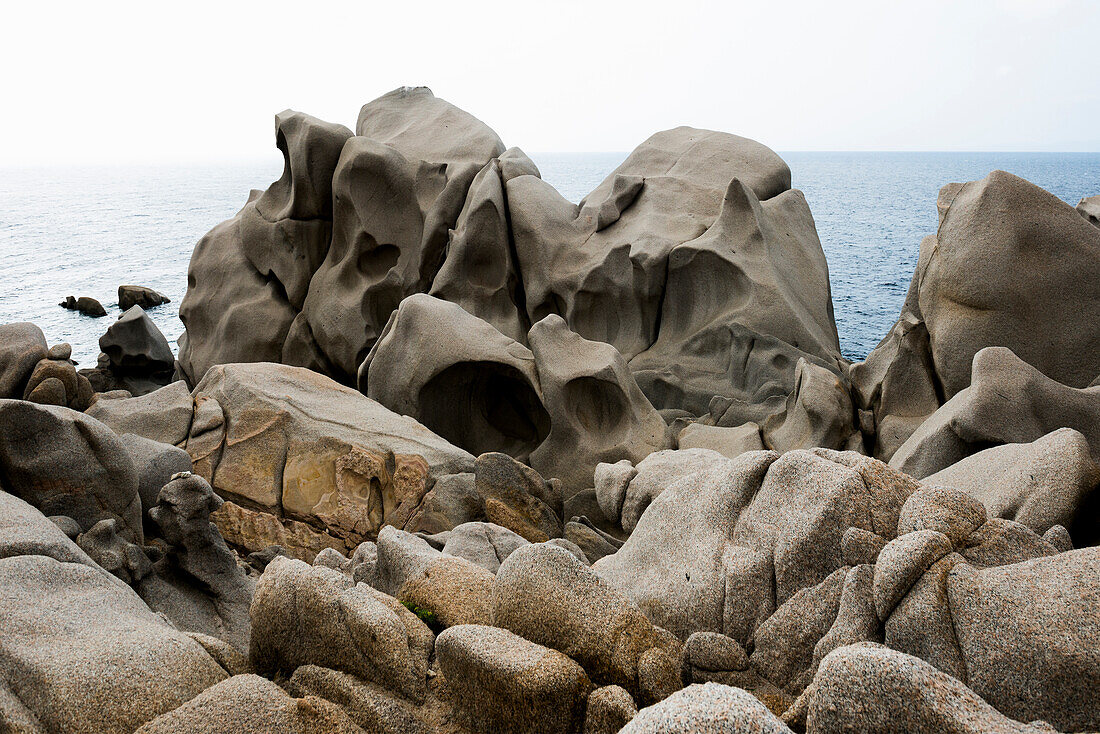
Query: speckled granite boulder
(708,708)
(545,594)
(1030,635)
(484,543)
(875,690)
(902,562)
(609,709)
(504,683)
(83,653)
(312,615)
(249,703)
(949,511)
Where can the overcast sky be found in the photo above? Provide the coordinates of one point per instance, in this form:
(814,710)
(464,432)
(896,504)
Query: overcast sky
(94,82)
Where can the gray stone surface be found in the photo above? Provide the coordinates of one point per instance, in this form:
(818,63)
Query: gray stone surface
(730,441)
(708,708)
(83,653)
(66,463)
(155,464)
(657,472)
(1050,481)
(504,683)
(162,415)
(1007,401)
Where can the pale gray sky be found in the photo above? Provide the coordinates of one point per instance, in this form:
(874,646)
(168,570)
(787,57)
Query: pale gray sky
(201,81)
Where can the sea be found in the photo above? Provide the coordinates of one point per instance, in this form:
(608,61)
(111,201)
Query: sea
(85,231)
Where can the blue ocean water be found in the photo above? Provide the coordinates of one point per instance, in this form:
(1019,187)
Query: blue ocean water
(85,231)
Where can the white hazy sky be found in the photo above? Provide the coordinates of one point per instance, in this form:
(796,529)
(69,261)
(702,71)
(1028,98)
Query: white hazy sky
(95,82)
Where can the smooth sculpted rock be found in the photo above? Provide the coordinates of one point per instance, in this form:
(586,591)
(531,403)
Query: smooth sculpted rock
(504,683)
(248,277)
(1007,401)
(299,447)
(480,272)
(139,295)
(657,472)
(1089,208)
(597,412)
(458,376)
(1051,481)
(305,615)
(82,653)
(65,463)
(712,708)
(544,594)
(135,344)
(730,441)
(818,412)
(743,303)
(22,346)
(875,690)
(1013,266)
(398,188)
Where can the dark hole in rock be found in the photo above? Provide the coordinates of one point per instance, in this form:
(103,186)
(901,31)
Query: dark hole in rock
(485,406)
(599,405)
(377,261)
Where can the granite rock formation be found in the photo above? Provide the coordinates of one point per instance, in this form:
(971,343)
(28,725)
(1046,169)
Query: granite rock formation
(453,454)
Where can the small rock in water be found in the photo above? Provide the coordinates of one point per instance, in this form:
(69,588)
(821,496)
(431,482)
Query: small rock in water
(138,295)
(85,305)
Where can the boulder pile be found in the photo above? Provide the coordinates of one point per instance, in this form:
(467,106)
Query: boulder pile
(445,452)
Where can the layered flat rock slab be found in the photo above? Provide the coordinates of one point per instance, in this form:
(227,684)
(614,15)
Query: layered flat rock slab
(505,683)
(297,444)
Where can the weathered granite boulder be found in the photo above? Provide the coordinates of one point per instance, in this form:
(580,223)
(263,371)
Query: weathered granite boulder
(653,475)
(1089,208)
(1007,401)
(24,531)
(544,594)
(504,683)
(305,615)
(82,653)
(762,528)
(297,447)
(872,689)
(85,305)
(54,381)
(707,707)
(251,703)
(66,463)
(609,709)
(1031,637)
(376,709)
(134,344)
(484,543)
(818,412)
(198,583)
(163,415)
(22,346)
(139,295)
(597,412)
